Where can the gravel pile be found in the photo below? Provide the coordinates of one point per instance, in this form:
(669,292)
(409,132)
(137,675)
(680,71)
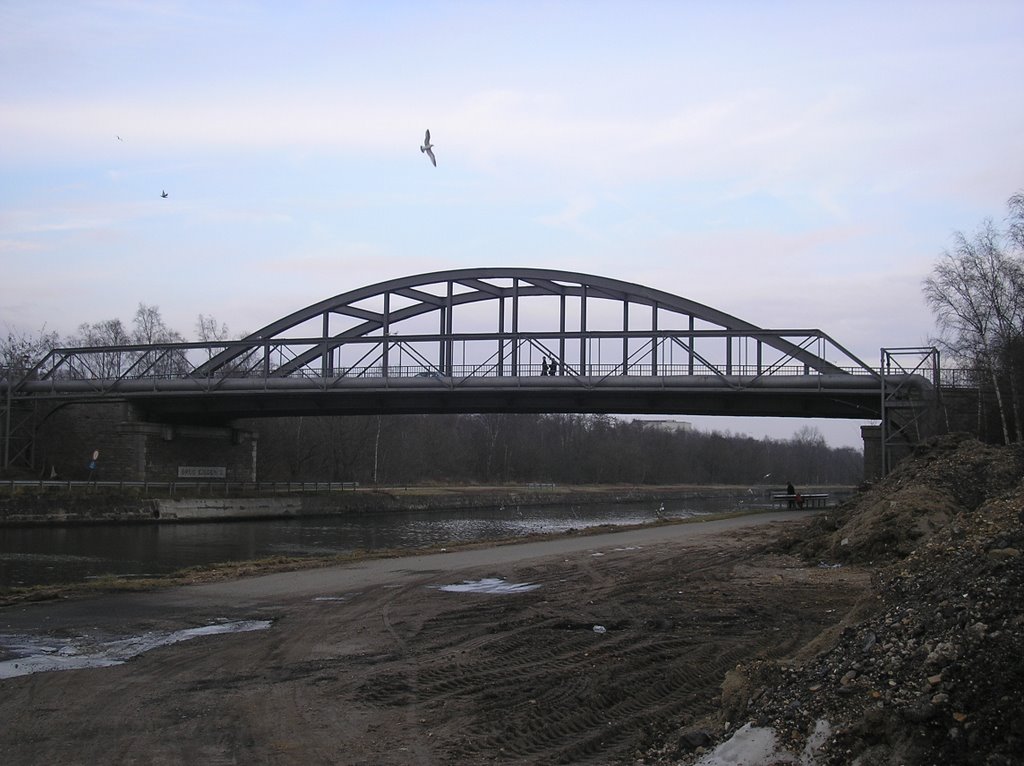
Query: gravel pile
(934,674)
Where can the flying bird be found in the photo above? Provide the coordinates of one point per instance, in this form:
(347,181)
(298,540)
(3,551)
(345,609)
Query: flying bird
(163,194)
(119,139)
(428,148)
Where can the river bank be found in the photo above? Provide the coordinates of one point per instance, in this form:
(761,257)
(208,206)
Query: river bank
(57,504)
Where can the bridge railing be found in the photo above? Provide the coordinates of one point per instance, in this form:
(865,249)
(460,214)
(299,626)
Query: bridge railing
(533,369)
(963,378)
(467,371)
(595,353)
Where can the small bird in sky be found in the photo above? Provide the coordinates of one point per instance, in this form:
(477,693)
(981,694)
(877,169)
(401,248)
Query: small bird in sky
(119,139)
(163,194)
(429,149)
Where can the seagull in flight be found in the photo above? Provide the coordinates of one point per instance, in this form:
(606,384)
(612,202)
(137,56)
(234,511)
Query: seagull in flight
(428,148)
(163,194)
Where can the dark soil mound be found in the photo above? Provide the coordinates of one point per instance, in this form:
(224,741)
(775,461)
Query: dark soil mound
(947,477)
(935,673)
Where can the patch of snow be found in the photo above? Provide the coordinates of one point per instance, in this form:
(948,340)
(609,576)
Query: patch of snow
(488,585)
(822,731)
(758,746)
(33,656)
(750,746)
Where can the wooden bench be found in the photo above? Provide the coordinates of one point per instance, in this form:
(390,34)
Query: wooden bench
(811,500)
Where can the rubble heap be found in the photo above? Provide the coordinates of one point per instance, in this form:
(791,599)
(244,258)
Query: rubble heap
(935,674)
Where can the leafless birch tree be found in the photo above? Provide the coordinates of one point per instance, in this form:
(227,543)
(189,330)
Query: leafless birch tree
(976,292)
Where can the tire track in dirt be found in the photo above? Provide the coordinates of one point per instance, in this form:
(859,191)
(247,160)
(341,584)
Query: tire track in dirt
(539,685)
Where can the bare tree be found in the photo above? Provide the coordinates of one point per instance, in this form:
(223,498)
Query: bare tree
(19,351)
(107,362)
(209,331)
(150,329)
(976,292)
(109,332)
(810,450)
(1015,221)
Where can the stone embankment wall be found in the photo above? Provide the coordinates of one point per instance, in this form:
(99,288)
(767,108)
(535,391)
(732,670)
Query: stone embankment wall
(57,506)
(62,507)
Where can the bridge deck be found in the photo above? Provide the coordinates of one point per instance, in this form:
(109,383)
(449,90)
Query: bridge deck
(835,396)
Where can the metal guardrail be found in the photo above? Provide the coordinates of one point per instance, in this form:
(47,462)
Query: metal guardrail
(596,370)
(653,352)
(951,377)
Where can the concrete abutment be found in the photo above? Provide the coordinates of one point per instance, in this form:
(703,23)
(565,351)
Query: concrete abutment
(131,449)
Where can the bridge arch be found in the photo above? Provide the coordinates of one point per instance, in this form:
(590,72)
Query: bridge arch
(587,319)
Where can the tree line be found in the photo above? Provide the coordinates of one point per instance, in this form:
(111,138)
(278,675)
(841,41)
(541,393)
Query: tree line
(560,449)
(20,350)
(976,293)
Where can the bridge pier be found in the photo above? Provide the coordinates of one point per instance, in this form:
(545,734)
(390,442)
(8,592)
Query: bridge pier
(872,436)
(133,449)
(875,457)
(170,452)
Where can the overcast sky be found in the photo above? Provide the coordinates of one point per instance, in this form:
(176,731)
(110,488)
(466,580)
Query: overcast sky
(795,164)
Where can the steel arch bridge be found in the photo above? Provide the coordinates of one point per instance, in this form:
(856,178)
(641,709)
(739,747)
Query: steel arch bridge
(486,340)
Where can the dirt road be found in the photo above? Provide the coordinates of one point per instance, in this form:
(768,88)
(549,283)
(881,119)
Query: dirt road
(624,637)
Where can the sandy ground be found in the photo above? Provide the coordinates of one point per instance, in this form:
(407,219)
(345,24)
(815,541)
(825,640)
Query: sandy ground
(626,638)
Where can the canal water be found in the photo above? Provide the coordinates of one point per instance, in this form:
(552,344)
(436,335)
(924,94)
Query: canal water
(49,555)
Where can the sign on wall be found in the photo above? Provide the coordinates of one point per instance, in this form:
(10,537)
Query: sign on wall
(202,472)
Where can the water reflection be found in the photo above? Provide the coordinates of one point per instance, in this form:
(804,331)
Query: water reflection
(46,555)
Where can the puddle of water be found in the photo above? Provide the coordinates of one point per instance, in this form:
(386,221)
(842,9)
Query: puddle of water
(488,585)
(33,654)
